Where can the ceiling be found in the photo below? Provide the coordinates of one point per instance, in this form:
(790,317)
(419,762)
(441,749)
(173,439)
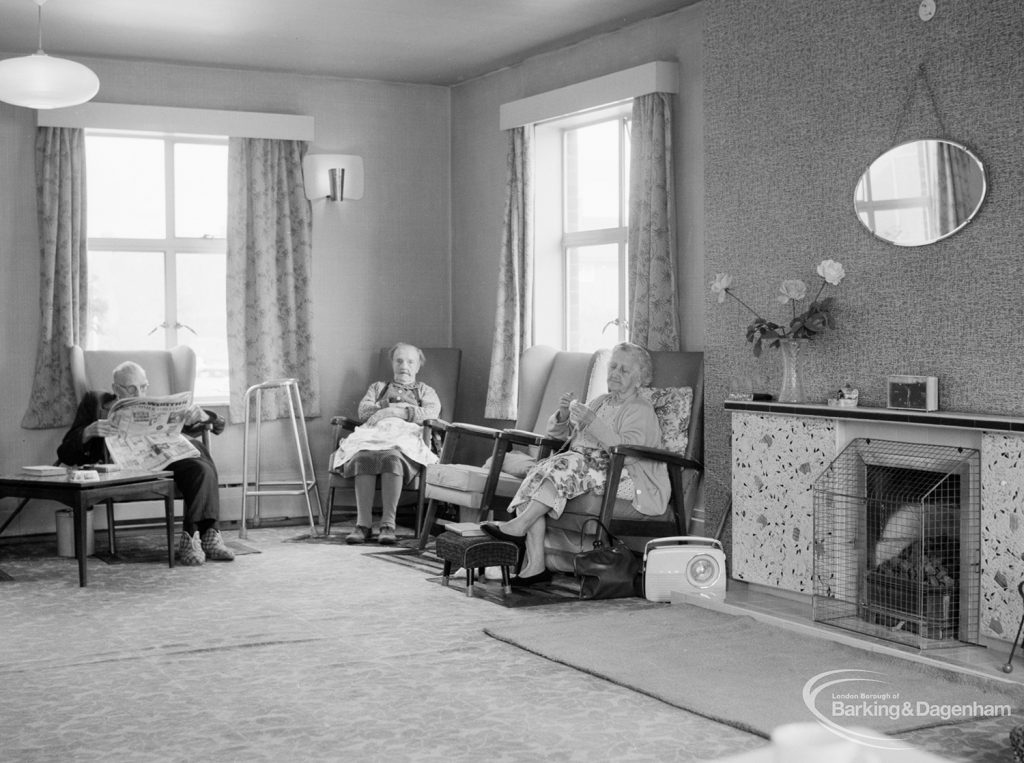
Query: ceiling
(440,42)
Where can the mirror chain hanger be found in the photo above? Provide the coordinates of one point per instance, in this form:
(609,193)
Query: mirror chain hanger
(919,76)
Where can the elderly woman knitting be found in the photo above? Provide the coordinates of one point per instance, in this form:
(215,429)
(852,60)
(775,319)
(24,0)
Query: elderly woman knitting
(621,416)
(389,443)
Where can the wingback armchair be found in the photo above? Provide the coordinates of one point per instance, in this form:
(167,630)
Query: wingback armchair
(168,372)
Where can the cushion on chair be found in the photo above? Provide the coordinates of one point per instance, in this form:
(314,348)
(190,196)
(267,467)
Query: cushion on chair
(516,463)
(449,479)
(672,406)
(457,476)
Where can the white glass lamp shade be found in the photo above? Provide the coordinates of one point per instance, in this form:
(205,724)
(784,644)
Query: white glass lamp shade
(40,81)
(316,175)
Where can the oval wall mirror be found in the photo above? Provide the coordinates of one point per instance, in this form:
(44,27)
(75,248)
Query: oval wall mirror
(920,192)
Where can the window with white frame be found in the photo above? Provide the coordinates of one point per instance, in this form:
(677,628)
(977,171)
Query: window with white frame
(157,222)
(581,215)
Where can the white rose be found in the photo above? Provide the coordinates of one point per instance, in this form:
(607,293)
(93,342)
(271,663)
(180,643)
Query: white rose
(831,271)
(793,289)
(719,286)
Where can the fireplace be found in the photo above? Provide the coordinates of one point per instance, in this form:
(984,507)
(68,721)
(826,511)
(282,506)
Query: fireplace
(897,542)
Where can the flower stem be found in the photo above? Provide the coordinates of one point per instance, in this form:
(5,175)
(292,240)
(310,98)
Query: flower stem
(756,314)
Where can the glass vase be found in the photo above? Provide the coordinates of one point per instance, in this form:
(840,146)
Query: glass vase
(792,388)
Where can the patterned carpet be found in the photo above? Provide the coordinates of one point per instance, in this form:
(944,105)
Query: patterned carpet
(316,651)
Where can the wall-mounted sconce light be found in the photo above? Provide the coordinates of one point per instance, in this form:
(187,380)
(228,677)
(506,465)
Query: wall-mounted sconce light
(335,177)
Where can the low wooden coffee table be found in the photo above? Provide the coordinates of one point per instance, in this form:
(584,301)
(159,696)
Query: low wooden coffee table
(79,496)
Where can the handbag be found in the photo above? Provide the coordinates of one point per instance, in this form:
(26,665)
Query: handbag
(606,571)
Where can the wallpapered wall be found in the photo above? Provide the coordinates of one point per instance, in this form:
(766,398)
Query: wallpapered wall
(799,97)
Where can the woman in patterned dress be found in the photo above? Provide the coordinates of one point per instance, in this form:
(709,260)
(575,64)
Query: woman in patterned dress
(619,417)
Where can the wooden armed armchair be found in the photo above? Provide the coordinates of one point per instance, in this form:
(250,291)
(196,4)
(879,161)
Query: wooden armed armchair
(544,375)
(677,394)
(441,371)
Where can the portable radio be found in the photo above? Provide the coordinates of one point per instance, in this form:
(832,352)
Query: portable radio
(684,564)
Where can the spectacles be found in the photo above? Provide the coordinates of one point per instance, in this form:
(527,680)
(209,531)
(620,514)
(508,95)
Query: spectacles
(133,390)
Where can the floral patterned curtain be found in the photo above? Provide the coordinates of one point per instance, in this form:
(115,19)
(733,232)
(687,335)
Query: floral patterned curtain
(513,318)
(63,242)
(653,314)
(269,274)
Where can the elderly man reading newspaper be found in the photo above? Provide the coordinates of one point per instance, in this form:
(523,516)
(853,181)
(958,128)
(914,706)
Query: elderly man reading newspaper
(104,419)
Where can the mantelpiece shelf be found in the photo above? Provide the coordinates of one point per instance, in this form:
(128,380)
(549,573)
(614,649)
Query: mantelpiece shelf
(963,420)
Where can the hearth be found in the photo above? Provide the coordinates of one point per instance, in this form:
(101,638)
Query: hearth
(897,542)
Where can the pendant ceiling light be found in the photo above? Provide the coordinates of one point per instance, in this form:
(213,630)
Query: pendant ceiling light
(40,81)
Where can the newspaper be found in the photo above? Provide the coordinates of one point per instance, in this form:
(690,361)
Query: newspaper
(149,431)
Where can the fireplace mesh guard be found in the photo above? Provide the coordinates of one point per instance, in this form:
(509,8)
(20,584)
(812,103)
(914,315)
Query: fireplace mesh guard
(897,543)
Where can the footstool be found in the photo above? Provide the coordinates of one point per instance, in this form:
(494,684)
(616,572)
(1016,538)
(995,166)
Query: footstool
(475,551)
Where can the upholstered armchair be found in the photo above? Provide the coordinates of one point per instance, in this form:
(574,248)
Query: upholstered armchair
(441,371)
(677,394)
(168,372)
(544,375)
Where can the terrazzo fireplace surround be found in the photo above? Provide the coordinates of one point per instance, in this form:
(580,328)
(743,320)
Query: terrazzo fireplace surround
(779,450)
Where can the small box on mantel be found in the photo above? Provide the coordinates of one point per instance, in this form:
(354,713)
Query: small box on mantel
(914,393)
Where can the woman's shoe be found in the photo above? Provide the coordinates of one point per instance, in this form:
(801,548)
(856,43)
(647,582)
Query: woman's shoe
(531,580)
(519,541)
(496,532)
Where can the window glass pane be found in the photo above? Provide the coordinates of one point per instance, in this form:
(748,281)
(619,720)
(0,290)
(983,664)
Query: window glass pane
(125,187)
(593,297)
(592,177)
(627,127)
(200,190)
(900,178)
(126,300)
(201,308)
(902,224)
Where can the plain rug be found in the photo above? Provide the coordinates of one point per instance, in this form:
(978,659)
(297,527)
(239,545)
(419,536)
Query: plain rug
(745,672)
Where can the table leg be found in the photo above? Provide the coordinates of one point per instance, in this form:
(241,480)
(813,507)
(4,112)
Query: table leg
(81,544)
(17,510)
(169,512)
(111,542)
